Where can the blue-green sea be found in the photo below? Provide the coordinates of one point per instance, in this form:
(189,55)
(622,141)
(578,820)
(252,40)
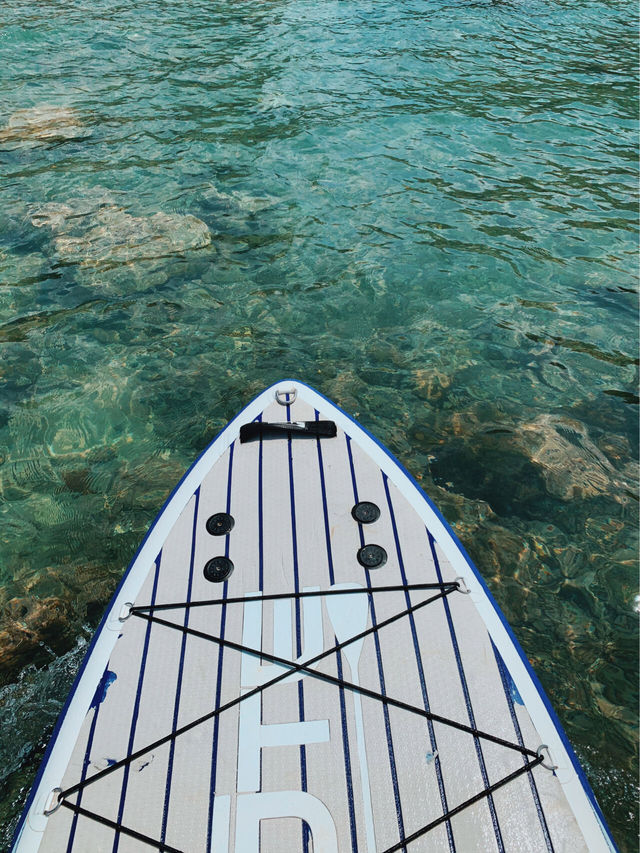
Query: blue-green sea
(427,209)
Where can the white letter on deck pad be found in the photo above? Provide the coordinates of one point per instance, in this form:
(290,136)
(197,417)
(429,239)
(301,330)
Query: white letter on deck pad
(252,736)
(253,672)
(252,808)
(220,823)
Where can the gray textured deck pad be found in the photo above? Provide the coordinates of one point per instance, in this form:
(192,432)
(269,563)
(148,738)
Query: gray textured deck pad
(294,750)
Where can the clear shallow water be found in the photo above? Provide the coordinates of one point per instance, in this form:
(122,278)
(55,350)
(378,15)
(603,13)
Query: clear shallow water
(426,210)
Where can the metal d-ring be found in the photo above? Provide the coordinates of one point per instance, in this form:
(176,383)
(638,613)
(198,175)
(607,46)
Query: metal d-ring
(125,611)
(281,396)
(462,585)
(544,763)
(54,801)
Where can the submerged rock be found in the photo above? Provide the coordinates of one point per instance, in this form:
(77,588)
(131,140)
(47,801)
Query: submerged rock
(75,215)
(95,229)
(52,215)
(119,237)
(571,464)
(49,610)
(542,468)
(43,123)
(30,625)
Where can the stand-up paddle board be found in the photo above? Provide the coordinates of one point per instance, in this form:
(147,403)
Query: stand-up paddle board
(301,657)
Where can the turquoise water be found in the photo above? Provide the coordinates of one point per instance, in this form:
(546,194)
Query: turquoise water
(425,209)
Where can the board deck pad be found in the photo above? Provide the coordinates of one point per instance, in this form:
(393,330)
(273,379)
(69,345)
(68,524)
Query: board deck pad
(187,746)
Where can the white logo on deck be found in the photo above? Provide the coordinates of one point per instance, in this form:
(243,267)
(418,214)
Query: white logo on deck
(348,614)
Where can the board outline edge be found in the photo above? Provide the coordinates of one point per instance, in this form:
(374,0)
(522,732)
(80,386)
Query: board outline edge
(63,738)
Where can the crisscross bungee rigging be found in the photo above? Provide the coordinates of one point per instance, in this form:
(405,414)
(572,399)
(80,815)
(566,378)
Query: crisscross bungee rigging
(532,758)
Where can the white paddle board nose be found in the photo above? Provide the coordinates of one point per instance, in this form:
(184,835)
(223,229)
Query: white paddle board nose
(260,757)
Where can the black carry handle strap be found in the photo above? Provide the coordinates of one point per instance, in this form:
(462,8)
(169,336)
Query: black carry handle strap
(264,429)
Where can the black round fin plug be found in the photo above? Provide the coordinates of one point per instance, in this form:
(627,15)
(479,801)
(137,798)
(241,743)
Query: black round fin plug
(366,512)
(220,524)
(372,556)
(218,569)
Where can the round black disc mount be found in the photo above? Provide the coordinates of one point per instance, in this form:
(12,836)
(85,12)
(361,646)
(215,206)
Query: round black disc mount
(218,569)
(220,524)
(372,556)
(366,512)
